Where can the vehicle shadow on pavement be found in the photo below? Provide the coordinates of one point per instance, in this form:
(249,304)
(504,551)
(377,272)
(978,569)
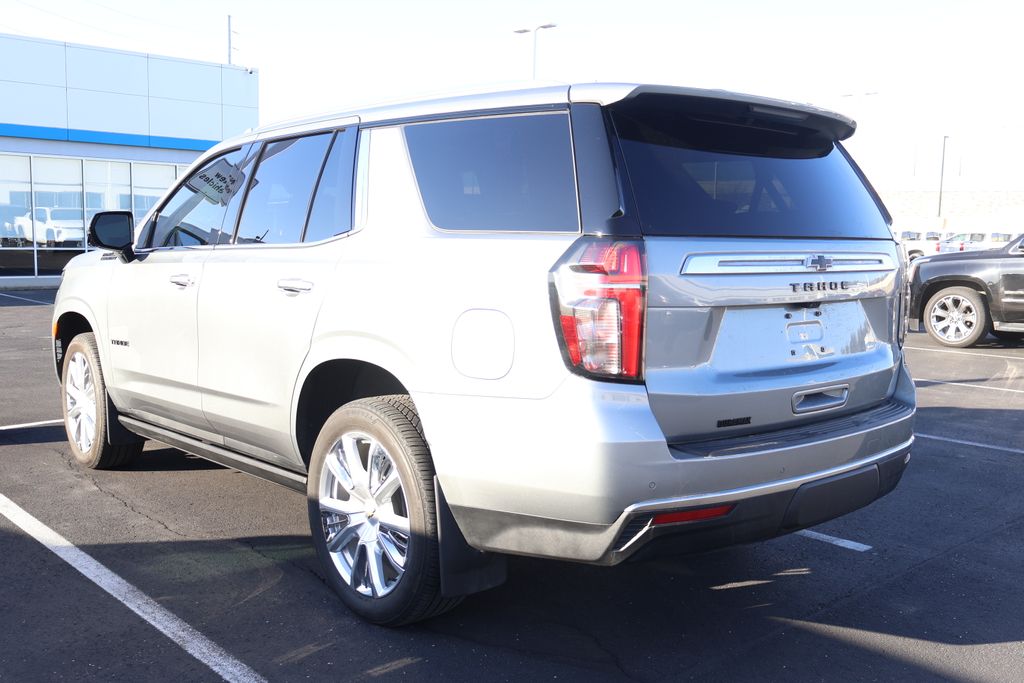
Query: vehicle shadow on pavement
(25,436)
(167,459)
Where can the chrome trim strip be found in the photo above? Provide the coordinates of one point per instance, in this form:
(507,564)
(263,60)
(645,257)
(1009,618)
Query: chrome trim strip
(786,447)
(760,489)
(788,262)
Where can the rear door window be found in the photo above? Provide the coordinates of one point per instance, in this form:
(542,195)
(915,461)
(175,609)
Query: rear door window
(694,176)
(278,199)
(331,213)
(507,173)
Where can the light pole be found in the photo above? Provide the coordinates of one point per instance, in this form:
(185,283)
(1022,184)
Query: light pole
(534,32)
(942,172)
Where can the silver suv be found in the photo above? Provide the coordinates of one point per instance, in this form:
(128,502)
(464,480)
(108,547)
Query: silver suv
(587,323)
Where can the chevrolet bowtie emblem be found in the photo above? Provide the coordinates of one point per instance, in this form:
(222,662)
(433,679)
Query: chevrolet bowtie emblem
(820,263)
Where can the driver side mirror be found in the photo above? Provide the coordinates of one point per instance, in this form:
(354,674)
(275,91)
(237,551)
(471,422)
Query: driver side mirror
(115,231)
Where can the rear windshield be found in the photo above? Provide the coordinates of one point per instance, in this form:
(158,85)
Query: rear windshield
(694,177)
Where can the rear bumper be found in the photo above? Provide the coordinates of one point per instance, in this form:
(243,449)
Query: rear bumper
(760,512)
(587,496)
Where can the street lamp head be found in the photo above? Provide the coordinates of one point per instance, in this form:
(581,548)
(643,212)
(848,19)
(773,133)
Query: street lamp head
(547,26)
(522,30)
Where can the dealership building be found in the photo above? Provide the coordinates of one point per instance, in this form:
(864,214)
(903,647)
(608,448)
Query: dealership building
(86,129)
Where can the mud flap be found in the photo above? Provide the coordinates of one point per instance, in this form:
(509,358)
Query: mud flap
(464,569)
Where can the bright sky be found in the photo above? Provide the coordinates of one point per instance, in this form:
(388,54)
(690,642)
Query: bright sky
(905,69)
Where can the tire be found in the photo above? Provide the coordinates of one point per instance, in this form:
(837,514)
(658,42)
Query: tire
(1006,335)
(360,521)
(956,317)
(83,397)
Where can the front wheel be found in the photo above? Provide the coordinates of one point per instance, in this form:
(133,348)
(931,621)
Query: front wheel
(84,402)
(956,317)
(370,495)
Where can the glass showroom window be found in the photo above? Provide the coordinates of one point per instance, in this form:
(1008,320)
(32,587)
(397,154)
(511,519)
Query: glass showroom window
(150,183)
(108,187)
(15,216)
(58,218)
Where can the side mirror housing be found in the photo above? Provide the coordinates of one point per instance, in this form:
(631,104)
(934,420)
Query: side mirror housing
(115,231)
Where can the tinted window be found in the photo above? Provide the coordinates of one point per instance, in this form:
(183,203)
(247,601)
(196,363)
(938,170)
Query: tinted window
(278,200)
(332,206)
(194,214)
(696,176)
(499,173)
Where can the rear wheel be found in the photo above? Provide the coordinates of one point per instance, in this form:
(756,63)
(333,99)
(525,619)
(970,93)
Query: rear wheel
(956,317)
(84,402)
(371,511)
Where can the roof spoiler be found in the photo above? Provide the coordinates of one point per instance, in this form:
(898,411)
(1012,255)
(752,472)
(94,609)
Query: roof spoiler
(722,104)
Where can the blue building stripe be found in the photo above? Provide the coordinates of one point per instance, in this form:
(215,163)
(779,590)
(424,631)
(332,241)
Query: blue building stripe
(16,130)
(105,138)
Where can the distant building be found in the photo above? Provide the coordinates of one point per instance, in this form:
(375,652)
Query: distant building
(85,129)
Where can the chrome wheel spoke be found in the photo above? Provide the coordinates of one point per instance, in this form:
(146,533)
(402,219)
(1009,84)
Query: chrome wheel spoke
(353,464)
(341,507)
(375,566)
(343,536)
(365,521)
(387,488)
(393,521)
(393,549)
(336,465)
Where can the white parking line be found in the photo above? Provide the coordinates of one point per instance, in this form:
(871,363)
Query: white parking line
(841,542)
(183,635)
(965,353)
(21,298)
(972,386)
(30,424)
(962,442)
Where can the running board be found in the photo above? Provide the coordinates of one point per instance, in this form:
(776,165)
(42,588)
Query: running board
(218,454)
(1008,327)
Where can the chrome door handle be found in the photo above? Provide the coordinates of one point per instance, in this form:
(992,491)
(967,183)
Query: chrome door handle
(294,285)
(183,280)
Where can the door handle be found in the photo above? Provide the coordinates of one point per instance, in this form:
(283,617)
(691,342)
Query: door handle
(183,280)
(294,285)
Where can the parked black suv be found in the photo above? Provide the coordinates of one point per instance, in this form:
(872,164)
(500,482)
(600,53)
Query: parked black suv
(963,296)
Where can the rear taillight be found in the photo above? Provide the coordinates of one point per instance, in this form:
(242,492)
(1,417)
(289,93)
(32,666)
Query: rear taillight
(599,298)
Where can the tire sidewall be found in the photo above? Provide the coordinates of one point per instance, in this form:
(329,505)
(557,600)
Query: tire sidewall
(86,345)
(976,299)
(362,418)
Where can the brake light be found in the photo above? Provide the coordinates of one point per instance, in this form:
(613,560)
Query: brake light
(599,299)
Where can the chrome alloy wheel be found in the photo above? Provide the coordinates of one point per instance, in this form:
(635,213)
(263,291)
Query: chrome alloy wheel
(80,400)
(364,514)
(953,317)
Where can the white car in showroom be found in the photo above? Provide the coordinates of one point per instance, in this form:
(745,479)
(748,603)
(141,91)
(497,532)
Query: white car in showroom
(49,227)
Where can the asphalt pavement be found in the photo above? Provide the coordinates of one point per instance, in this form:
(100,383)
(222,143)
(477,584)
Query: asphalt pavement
(927,589)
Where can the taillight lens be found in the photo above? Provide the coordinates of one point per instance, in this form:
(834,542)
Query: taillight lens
(599,298)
